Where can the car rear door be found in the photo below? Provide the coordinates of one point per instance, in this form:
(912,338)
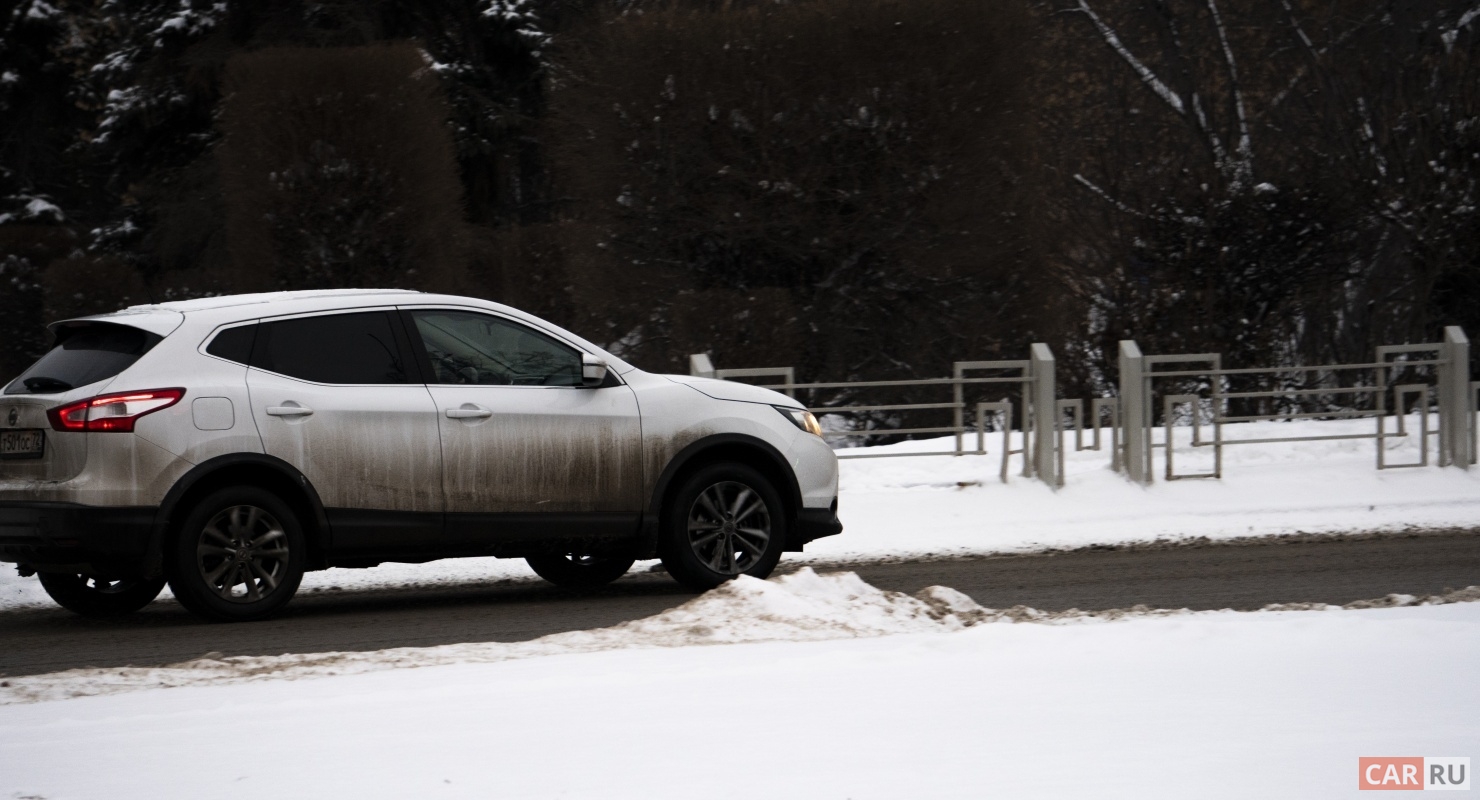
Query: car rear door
(530,454)
(335,395)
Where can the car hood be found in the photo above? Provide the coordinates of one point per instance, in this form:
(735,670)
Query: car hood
(732,390)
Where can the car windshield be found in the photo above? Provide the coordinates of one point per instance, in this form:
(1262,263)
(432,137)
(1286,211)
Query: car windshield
(84,354)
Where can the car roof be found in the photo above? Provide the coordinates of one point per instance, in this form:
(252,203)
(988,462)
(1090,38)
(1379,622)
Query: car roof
(230,300)
(164,318)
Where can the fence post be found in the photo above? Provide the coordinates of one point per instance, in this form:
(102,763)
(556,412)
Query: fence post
(1455,418)
(1134,413)
(958,413)
(1045,412)
(700,366)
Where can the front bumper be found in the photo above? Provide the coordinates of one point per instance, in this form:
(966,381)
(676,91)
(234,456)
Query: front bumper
(815,523)
(110,540)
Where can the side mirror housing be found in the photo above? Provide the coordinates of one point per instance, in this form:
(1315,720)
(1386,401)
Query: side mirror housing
(593,370)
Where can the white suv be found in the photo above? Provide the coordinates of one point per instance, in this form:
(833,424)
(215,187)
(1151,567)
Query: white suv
(226,445)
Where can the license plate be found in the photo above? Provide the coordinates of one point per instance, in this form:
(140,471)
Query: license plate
(22,444)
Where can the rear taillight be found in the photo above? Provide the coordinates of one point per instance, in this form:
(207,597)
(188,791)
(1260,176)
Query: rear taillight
(112,412)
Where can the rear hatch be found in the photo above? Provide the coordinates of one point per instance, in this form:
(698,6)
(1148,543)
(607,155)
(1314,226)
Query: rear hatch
(87,354)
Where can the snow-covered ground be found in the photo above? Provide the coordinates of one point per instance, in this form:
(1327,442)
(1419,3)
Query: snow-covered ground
(951,505)
(959,702)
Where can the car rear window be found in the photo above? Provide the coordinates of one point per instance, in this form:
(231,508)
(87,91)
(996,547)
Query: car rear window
(334,348)
(84,354)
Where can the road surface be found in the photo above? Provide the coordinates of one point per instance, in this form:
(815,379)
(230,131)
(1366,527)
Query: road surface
(1215,575)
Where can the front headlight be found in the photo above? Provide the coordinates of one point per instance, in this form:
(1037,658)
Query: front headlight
(802,418)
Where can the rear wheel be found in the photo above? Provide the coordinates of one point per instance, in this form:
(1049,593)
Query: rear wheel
(100,597)
(725,520)
(239,555)
(581,571)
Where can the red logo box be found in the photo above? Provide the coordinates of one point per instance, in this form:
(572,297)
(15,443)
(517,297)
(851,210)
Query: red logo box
(1390,773)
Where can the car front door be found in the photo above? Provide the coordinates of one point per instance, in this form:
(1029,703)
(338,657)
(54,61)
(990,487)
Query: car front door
(531,456)
(337,396)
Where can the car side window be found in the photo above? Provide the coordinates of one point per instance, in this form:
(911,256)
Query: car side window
(478,349)
(334,348)
(234,344)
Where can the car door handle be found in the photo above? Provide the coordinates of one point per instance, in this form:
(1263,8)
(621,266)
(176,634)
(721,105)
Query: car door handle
(468,413)
(288,411)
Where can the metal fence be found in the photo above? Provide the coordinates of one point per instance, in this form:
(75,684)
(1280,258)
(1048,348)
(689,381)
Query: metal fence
(1033,377)
(1450,391)
(1046,420)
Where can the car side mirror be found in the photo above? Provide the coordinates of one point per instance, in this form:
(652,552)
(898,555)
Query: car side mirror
(593,370)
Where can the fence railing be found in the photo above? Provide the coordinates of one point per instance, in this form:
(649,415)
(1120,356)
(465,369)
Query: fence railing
(1450,391)
(1033,377)
(1045,420)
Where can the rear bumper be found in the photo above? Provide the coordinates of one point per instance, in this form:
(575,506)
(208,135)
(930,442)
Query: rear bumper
(107,539)
(815,523)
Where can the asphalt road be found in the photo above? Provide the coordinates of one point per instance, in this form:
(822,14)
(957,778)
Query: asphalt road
(1242,576)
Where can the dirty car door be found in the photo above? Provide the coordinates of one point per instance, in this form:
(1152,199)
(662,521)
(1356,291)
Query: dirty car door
(531,457)
(334,395)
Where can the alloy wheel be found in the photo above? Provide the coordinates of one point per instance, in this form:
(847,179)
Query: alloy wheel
(242,554)
(729,527)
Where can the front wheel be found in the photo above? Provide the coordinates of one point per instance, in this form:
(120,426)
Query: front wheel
(100,597)
(239,555)
(581,571)
(725,520)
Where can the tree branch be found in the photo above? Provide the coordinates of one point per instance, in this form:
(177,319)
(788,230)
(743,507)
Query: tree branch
(1244,164)
(1370,137)
(1220,156)
(1147,76)
(1090,185)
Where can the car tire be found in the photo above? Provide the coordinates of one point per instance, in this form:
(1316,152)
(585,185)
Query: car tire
(237,556)
(724,520)
(100,597)
(581,571)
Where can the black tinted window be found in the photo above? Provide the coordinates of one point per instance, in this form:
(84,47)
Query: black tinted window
(468,348)
(84,354)
(234,344)
(336,348)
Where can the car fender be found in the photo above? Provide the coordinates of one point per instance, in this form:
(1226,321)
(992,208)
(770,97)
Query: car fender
(695,451)
(320,535)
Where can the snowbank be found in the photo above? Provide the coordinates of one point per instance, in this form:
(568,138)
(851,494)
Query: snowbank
(800,607)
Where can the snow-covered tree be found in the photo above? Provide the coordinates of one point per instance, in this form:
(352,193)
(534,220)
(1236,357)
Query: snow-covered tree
(1277,181)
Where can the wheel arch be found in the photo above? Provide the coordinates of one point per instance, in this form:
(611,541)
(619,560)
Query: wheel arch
(737,447)
(238,469)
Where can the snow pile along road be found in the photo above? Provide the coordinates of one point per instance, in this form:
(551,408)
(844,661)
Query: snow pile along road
(801,607)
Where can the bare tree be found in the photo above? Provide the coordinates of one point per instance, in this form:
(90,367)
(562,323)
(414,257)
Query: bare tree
(1239,175)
